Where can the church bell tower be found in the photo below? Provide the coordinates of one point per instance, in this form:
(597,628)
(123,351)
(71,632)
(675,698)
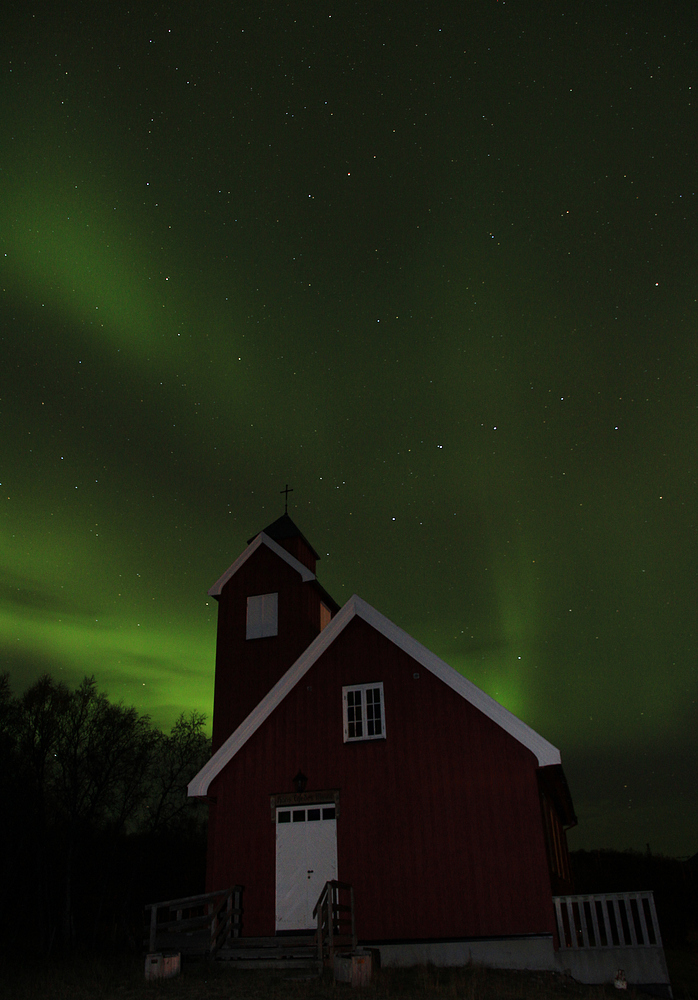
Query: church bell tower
(270,608)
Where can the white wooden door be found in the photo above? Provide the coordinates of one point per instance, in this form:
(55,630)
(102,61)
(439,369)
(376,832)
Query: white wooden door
(306,858)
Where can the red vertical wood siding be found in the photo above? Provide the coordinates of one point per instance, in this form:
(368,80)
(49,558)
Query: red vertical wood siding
(440,827)
(246,669)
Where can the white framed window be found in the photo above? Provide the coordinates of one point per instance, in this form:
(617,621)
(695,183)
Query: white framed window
(262,616)
(364,716)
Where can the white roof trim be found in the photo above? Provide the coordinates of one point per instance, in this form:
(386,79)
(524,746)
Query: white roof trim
(545,752)
(261,539)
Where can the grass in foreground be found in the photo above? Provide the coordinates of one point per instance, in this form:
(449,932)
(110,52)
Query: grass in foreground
(90,978)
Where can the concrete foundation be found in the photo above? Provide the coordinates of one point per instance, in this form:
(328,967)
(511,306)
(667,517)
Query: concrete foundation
(353,967)
(642,966)
(530,952)
(162,965)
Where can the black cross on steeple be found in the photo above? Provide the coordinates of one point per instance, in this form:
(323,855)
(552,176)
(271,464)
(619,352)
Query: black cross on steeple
(286,491)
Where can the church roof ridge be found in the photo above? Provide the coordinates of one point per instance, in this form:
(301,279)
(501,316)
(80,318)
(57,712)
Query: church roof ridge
(261,539)
(544,751)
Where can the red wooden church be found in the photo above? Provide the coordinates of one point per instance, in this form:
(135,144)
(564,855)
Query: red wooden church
(344,749)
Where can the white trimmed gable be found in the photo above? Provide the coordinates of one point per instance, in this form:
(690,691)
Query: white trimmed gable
(545,752)
(261,539)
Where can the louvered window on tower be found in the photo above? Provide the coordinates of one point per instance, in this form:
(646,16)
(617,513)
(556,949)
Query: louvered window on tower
(262,616)
(363,712)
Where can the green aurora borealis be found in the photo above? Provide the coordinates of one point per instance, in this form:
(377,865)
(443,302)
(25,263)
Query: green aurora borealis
(438,273)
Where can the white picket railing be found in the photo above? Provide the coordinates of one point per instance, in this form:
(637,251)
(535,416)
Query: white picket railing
(607,920)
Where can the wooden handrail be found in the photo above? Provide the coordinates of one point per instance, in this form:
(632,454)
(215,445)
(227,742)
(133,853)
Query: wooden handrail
(331,917)
(188,901)
(221,916)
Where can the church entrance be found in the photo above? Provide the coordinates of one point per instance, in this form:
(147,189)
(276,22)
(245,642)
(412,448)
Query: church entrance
(306,858)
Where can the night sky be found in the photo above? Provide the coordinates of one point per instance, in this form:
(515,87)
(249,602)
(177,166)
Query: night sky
(432,265)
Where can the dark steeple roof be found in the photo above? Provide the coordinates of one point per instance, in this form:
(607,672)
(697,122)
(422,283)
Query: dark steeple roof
(282,529)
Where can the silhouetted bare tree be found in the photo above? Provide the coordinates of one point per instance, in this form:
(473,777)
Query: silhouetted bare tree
(175,760)
(89,783)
